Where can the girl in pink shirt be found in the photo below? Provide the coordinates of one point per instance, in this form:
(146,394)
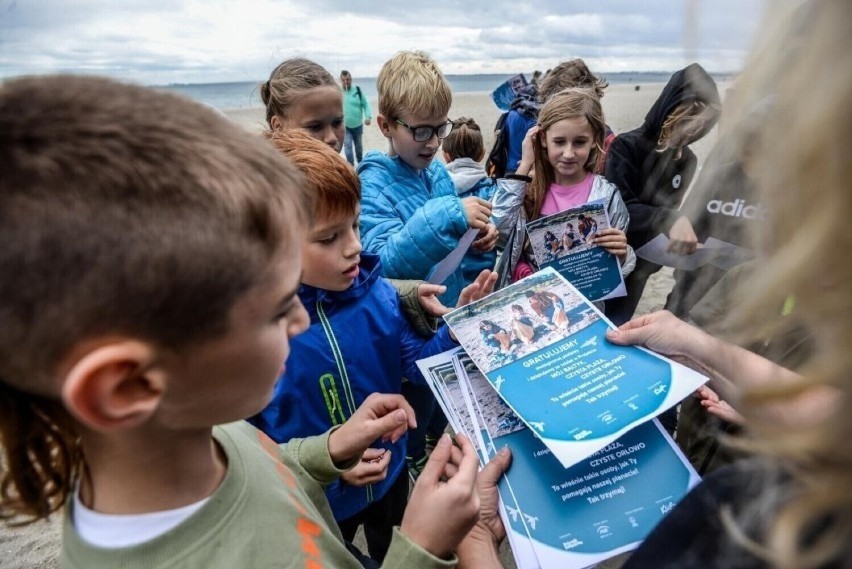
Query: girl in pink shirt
(563,148)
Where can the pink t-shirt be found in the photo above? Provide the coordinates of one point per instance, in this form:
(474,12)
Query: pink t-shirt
(558,198)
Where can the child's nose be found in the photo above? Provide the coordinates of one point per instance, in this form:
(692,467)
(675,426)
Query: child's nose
(330,137)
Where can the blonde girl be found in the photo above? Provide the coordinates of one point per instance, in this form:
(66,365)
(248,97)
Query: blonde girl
(563,149)
(302,94)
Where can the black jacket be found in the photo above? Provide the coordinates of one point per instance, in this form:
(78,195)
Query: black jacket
(652,183)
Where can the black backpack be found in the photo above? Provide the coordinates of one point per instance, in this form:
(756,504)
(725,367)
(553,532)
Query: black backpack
(495,165)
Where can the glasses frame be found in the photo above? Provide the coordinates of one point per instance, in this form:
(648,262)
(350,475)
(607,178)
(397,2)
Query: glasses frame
(433,131)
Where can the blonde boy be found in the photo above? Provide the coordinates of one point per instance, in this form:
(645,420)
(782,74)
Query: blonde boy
(411,216)
(150,267)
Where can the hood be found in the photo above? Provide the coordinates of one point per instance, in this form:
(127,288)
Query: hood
(465,173)
(370,271)
(691,83)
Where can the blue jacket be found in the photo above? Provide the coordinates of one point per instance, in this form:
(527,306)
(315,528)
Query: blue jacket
(412,221)
(377,347)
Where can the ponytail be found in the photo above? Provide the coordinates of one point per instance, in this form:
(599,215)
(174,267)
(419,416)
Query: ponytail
(41,455)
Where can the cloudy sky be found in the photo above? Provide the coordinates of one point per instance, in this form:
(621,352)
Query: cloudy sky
(199,41)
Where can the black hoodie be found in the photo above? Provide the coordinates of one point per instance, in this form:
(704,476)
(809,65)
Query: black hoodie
(652,183)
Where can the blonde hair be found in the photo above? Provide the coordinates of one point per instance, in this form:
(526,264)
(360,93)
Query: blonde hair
(804,176)
(689,120)
(410,82)
(465,140)
(570,103)
(288,81)
(568,74)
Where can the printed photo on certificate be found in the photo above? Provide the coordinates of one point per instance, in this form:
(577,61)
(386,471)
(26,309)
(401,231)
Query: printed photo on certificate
(565,241)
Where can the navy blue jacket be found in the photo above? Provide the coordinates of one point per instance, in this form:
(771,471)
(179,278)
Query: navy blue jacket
(359,342)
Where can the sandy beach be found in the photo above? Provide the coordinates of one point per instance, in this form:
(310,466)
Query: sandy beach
(37,545)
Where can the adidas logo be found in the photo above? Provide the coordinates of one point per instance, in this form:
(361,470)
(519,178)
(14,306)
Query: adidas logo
(737,208)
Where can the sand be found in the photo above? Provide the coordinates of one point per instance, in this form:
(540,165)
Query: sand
(37,545)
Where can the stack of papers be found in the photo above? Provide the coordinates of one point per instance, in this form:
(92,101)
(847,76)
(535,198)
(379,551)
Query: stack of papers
(592,472)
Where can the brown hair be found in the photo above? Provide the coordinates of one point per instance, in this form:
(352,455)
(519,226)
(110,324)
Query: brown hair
(123,210)
(571,73)
(329,176)
(287,81)
(567,104)
(465,140)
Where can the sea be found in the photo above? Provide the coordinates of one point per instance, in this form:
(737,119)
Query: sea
(246,94)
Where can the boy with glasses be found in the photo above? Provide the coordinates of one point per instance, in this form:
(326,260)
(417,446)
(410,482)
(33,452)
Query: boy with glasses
(411,216)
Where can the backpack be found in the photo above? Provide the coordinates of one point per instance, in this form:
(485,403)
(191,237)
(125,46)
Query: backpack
(360,95)
(495,164)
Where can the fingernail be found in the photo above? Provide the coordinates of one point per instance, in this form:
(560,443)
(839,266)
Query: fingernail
(504,451)
(445,440)
(399,416)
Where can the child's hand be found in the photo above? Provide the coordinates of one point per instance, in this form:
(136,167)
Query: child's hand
(439,513)
(487,238)
(381,416)
(715,406)
(614,241)
(479,288)
(372,468)
(527,162)
(427,296)
(682,238)
(477,211)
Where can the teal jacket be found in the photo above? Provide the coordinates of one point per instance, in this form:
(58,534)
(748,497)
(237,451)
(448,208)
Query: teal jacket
(356,107)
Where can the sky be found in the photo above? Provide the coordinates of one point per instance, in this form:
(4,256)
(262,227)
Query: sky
(208,41)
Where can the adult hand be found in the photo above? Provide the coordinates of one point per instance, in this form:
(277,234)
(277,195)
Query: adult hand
(479,547)
(682,238)
(477,211)
(381,416)
(367,122)
(441,511)
(660,331)
(372,468)
(427,297)
(487,238)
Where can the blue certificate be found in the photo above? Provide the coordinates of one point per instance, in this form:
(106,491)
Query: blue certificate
(541,344)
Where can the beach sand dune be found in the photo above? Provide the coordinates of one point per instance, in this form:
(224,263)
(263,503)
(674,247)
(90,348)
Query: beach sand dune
(37,545)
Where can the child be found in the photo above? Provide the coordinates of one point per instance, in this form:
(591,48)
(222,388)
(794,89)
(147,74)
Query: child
(652,166)
(525,108)
(302,94)
(358,343)
(564,149)
(150,267)
(522,325)
(411,216)
(463,151)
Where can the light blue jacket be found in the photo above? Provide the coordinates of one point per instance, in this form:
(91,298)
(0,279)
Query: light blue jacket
(412,221)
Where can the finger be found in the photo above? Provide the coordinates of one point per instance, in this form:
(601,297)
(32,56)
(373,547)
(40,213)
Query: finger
(434,468)
(372,454)
(495,468)
(391,410)
(427,289)
(435,308)
(469,465)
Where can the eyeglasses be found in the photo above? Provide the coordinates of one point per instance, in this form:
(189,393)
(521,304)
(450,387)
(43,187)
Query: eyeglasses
(424,132)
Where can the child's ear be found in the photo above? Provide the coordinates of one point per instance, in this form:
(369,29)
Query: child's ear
(114,386)
(384,125)
(447,158)
(276,123)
